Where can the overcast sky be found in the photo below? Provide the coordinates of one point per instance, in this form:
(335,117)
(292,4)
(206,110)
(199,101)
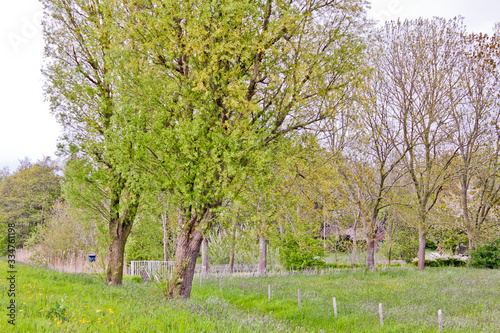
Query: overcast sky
(27,128)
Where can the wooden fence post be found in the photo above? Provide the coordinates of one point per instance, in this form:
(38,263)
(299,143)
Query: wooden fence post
(440,319)
(381,314)
(335,307)
(269,293)
(300,299)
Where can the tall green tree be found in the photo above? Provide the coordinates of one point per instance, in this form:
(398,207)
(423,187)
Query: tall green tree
(208,89)
(83,99)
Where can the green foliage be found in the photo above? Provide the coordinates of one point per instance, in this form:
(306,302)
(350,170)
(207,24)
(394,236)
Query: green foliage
(445,237)
(146,239)
(27,197)
(402,244)
(300,254)
(487,256)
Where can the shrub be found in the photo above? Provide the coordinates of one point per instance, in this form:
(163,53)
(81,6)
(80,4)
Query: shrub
(401,243)
(487,256)
(299,256)
(434,259)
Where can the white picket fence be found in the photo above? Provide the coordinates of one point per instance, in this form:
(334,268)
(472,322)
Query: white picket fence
(157,268)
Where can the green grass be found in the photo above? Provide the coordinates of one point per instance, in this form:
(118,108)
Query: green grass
(49,301)
(469,299)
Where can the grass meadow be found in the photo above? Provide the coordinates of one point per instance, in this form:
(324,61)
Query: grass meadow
(49,301)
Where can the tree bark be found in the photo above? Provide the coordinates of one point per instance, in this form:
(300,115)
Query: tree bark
(262,255)
(422,241)
(164,220)
(120,226)
(187,251)
(471,237)
(231,253)
(119,233)
(370,253)
(204,256)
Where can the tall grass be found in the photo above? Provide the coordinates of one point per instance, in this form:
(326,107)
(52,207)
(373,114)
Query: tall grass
(49,301)
(469,298)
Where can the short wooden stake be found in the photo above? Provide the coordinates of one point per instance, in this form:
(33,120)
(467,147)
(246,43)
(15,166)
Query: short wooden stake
(300,299)
(335,307)
(243,288)
(201,278)
(269,293)
(381,314)
(440,319)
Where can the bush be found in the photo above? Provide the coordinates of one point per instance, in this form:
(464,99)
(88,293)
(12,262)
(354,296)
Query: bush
(487,256)
(434,259)
(300,256)
(403,245)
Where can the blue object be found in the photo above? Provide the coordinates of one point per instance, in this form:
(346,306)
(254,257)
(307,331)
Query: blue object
(92,257)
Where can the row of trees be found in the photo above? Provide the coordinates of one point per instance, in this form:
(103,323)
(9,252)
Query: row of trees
(27,196)
(191,98)
(289,115)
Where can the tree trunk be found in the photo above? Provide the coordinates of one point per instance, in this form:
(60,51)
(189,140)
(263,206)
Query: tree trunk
(471,236)
(204,257)
(465,212)
(422,241)
(187,251)
(120,225)
(231,253)
(262,255)
(164,220)
(390,252)
(119,233)
(370,253)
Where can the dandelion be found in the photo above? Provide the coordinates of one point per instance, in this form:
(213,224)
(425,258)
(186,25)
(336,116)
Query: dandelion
(98,311)
(59,322)
(111,323)
(110,311)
